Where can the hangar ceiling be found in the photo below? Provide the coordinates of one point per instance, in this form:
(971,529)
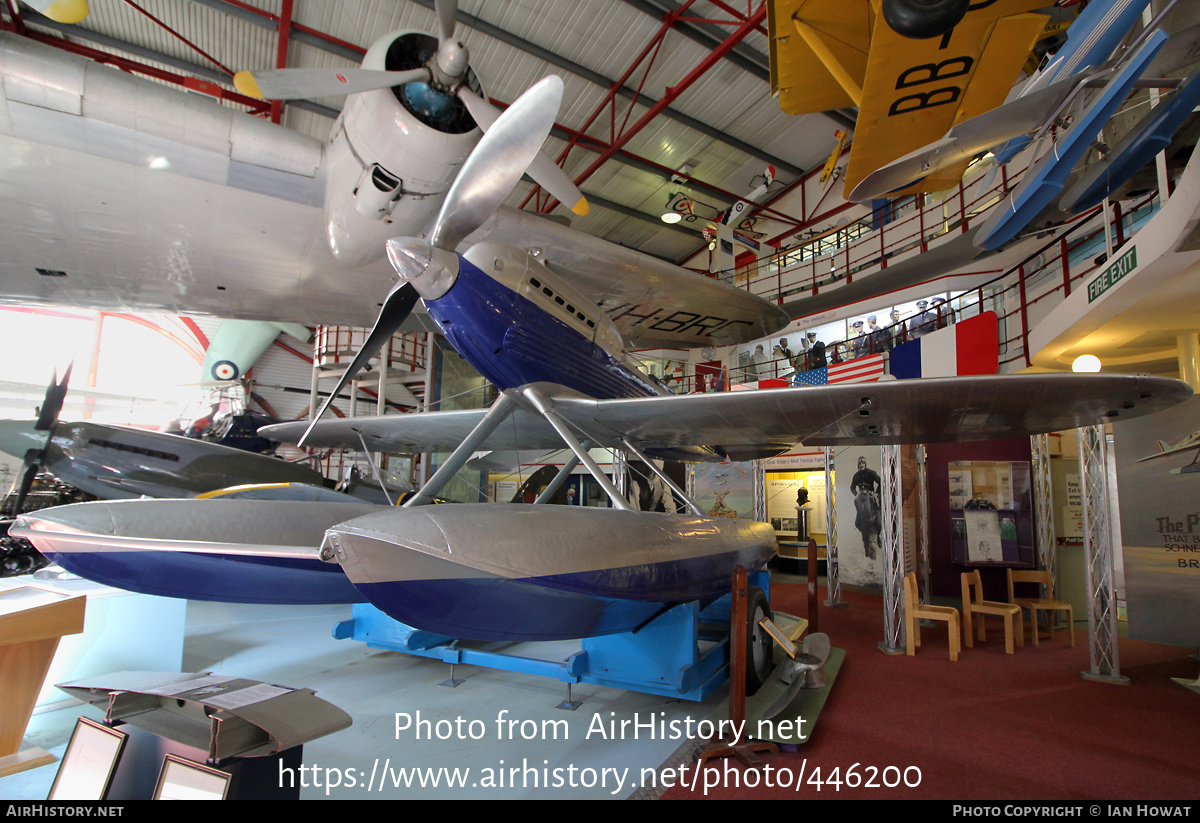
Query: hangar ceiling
(651,85)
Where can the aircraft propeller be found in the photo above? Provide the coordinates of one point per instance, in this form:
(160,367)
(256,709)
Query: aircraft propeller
(445,72)
(487,177)
(47,421)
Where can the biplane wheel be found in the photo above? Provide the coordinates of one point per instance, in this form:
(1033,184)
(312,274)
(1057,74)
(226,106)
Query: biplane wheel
(759,645)
(922,19)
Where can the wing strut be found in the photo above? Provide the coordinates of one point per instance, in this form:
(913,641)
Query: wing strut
(496,415)
(560,478)
(545,407)
(813,38)
(687,501)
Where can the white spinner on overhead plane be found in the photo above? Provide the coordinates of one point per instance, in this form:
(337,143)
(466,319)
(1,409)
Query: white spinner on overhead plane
(393,153)
(413,112)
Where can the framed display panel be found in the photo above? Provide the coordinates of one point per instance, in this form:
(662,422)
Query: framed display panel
(88,765)
(182,779)
(991,513)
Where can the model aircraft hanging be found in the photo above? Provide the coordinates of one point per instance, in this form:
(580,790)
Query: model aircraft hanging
(1077,91)
(1191,443)
(832,54)
(128,195)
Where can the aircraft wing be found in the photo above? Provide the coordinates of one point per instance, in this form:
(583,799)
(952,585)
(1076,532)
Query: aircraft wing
(828,54)
(772,420)
(123,194)
(915,90)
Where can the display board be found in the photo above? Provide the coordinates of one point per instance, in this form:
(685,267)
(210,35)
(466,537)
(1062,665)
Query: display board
(991,513)
(1158,475)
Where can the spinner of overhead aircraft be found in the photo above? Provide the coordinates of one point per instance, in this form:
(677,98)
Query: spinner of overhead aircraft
(124,194)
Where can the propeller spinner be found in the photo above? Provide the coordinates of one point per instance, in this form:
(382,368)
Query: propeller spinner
(424,88)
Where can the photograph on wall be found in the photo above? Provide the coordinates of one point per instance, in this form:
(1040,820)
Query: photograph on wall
(859,516)
(1158,476)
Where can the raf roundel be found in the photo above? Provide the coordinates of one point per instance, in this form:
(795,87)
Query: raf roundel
(225,370)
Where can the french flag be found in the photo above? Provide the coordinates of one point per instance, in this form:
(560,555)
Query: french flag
(967,347)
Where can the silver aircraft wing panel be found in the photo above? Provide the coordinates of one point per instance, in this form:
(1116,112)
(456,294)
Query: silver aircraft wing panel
(894,411)
(420,432)
(652,302)
(889,412)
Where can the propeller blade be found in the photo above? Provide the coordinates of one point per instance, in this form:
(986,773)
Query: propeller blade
(32,467)
(293,84)
(544,171)
(52,404)
(447,17)
(497,163)
(396,308)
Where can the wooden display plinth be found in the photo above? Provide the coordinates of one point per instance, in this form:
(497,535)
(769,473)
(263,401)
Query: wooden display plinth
(32,621)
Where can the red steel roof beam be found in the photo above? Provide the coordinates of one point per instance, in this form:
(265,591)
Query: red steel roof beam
(180,37)
(610,100)
(134,67)
(672,92)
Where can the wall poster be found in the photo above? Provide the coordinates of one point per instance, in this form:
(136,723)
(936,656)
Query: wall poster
(1158,474)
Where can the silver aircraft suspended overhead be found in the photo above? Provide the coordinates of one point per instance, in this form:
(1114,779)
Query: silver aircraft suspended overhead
(516,571)
(120,193)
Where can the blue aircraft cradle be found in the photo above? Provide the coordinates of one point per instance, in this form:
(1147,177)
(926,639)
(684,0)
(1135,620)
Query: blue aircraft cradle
(682,653)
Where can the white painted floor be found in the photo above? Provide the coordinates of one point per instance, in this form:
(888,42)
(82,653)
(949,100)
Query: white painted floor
(293,646)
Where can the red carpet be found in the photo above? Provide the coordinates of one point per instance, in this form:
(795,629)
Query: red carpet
(991,726)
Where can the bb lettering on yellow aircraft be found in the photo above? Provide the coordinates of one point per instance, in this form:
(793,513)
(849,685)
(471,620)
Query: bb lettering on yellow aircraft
(832,54)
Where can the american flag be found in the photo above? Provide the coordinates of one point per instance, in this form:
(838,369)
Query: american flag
(813,377)
(859,370)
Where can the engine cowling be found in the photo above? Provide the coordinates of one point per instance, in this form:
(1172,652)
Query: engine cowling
(394,153)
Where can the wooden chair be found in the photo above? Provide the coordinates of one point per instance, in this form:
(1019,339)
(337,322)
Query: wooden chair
(1035,604)
(914,611)
(973,603)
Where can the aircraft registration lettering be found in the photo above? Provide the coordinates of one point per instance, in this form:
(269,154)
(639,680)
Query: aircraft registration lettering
(677,322)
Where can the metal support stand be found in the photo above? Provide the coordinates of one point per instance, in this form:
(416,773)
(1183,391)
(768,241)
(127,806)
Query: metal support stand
(760,491)
(1043,511)
(1097,543)
(892,540)
(569,705)
(833,583)
(923,565)
(453,682)
(620,472)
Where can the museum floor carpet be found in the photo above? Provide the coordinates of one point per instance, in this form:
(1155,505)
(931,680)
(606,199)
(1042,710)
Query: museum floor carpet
(991,726)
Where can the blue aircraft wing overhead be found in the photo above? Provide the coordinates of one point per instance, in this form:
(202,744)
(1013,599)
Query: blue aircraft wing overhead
(1093,36)
(1150,136)
(1046,178)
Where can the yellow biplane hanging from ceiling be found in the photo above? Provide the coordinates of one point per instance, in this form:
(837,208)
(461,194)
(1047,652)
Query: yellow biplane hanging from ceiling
(833,54)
